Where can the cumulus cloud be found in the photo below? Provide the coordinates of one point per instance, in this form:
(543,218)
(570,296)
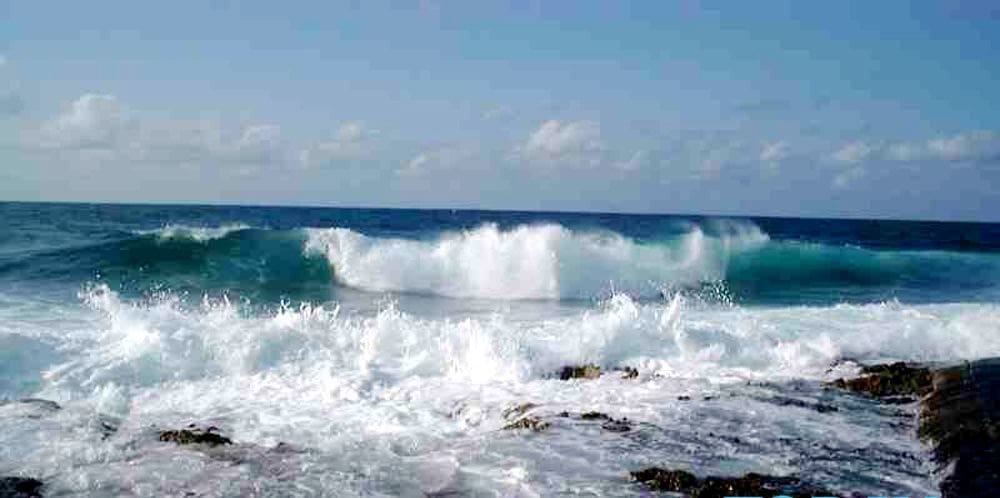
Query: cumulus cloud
(439,158)
(93,121)
(980,145)
(558,140)
(351,141)
(101,123)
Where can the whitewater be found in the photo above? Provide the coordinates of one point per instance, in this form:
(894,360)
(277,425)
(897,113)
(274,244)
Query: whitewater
(382,352)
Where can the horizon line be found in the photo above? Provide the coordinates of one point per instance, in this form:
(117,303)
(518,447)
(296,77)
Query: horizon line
(493,210)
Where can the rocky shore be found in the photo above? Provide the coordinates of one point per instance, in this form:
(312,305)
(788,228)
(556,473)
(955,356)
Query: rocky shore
(957,411)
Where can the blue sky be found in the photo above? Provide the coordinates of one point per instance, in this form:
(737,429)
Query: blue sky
(870,109)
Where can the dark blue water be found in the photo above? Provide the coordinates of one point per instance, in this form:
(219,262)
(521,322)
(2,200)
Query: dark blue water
(259,253)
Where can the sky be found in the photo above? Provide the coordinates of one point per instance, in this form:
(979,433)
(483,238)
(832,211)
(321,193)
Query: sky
(821,109)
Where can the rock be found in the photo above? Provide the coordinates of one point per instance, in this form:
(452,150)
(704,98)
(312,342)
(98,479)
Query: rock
(816,406)
(665,480)
(20,487)
(518,410)
(609,423)
(588,371)
(42,403)
(531,423)
(679,481)
(684,398)
(195,435)
(36,407)
(896,379)
(616,425)
(629,372)
(961,419)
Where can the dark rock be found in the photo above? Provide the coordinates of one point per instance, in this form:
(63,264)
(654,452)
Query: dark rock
(589,371)
(41,406)
(42,403)
(896,379)
(616,425)
(195,435)
(679,481)
(20,487)
(961,418)
(594,416)
(684,398)
(531,423)
(665,480)
(629,372)
(819,407)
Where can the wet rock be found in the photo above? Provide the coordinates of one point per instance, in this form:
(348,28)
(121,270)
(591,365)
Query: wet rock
(530,423)
(20,487)
(665,480)
(617,425)
(895,379)
(679,481)
(37,407)
(961,419)
(783,401)
(609,423)
(518,410)
(194,435)
(589,371)
(629,372)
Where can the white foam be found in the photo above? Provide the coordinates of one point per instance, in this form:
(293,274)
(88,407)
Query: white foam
(149,344)
(527,262)
(195,233)
(400,402)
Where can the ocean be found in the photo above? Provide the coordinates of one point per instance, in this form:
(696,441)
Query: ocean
(383,351)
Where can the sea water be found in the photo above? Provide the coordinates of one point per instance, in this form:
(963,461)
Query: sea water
(380,352)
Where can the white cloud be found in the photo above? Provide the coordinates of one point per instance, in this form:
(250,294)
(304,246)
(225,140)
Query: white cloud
(848,177)
(970,146)
(975,145)
(446,157)
(633,163)
(556,140)
(349,132)
(855,152)
(258,143)
(351,141)
(93,121)
(100,127)
(774,152)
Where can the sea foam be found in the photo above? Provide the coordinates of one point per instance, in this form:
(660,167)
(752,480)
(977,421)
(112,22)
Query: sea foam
(528,261)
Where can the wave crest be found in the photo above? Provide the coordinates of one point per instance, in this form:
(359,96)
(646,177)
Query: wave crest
(529,261)
(195,233)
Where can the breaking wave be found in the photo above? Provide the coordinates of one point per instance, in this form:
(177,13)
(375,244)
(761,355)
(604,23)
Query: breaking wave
(535,261)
